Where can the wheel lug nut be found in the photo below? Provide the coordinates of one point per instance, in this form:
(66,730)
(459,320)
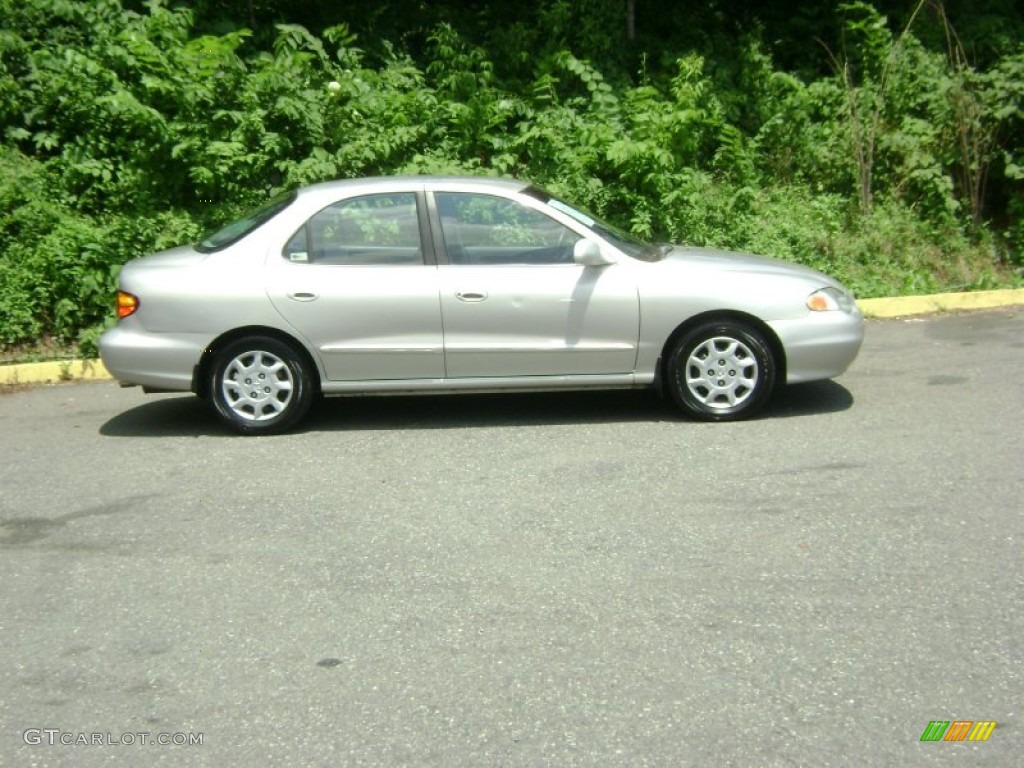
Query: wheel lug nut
(267,390)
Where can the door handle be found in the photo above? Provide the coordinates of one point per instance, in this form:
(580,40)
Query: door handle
(302,296)
(471,295)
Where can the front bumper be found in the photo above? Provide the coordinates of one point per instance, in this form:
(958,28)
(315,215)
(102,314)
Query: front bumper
(821,345)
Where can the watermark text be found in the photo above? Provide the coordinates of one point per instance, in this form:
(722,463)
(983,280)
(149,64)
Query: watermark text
(53,737)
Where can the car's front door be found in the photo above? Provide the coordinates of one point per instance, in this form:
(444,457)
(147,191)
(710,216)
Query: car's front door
(514,302)
(354,282)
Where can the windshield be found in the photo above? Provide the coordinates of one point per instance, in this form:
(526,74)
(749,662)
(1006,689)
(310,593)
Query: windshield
(621,239)
(239,228)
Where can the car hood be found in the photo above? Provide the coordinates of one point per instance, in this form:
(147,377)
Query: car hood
(718,260)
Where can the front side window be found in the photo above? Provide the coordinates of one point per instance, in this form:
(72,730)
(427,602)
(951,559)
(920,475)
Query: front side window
(484,229)
(619,238)
(368,230)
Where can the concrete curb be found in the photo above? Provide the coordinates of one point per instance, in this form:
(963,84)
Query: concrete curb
(77,370)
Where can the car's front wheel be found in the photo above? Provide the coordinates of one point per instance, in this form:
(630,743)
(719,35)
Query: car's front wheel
(260,385)
(721,371)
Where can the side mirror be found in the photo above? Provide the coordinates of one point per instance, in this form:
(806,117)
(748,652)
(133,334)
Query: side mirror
(589,254)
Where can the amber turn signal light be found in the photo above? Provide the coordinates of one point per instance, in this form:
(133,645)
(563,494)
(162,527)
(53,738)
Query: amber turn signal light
(127,304)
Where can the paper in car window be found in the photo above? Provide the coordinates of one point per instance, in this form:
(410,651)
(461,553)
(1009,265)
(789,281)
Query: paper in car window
(299,256)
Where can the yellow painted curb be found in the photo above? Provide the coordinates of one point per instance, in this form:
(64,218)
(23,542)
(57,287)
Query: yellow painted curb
(940,302)
(59,370)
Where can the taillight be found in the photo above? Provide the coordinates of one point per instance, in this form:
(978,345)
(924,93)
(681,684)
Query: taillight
(127,304)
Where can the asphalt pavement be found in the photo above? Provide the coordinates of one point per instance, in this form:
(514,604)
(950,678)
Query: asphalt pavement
(568,579)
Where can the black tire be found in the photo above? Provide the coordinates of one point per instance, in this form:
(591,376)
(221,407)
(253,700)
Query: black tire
(721,371)
(274,396)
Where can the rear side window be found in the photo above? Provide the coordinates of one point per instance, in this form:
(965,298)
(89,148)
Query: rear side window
(369,230)
(239,228)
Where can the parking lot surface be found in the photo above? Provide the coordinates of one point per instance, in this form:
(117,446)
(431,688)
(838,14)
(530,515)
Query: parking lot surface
(569,579)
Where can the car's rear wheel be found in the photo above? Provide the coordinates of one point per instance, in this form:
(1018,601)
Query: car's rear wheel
(260,385)
(721,371)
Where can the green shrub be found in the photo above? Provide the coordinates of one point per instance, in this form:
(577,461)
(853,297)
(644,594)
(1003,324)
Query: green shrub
(126,131)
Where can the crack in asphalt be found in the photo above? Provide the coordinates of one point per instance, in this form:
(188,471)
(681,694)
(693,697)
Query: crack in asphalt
(23,531)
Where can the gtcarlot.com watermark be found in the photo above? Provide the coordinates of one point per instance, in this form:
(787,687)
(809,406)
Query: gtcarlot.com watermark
(54,737)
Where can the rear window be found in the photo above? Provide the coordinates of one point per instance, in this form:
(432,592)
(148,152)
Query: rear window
(239,228)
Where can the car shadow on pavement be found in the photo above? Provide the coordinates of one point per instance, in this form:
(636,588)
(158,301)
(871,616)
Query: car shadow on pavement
(184,416)
(165,416)
(489,410)
(809,399)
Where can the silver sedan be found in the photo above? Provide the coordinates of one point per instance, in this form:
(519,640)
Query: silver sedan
(423,284)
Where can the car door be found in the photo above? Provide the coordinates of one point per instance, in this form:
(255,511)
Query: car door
(515,303)
(354,282)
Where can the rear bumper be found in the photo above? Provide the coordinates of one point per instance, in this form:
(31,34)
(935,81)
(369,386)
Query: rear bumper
(162,361)
(821,345)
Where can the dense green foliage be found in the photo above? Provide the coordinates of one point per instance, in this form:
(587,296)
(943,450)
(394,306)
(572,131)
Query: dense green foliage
(888,151)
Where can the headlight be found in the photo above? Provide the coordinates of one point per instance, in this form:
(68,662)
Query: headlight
(830,300)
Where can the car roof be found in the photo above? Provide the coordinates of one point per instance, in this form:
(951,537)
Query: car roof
(392,183)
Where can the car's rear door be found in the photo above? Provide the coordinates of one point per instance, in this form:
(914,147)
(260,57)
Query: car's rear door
(356,283)
(514,302)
